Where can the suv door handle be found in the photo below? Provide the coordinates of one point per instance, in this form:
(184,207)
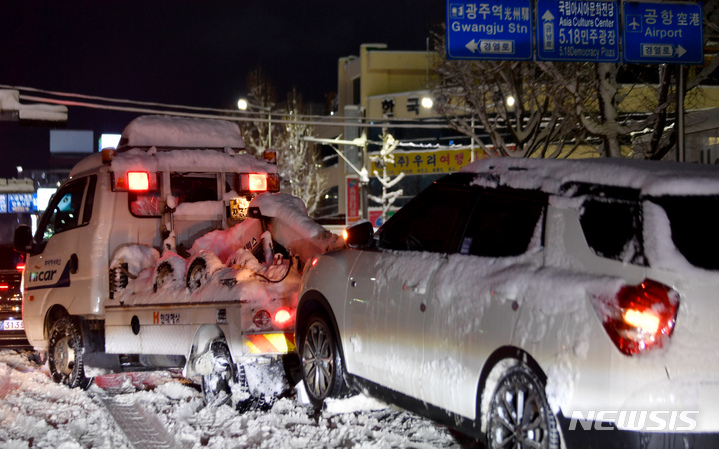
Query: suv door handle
(417,288)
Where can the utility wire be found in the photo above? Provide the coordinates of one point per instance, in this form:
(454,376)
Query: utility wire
(224,114)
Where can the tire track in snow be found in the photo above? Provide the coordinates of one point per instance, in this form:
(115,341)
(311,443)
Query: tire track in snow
(6,386)
(142,429)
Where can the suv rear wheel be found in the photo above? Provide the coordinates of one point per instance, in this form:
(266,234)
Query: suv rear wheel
(519,414)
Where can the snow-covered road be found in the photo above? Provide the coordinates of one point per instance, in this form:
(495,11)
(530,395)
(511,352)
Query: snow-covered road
(161,409)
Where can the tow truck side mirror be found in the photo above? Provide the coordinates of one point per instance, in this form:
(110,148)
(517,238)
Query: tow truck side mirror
(23,241)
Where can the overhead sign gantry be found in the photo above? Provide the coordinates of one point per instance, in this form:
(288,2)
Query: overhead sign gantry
(575,30)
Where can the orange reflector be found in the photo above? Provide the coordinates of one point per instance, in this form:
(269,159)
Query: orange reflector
(258,182)
(269,343)
(138,180)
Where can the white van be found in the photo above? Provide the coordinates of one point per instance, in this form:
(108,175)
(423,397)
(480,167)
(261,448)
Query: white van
(115,278)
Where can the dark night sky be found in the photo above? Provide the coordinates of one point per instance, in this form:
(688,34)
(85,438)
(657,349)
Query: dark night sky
(186,52)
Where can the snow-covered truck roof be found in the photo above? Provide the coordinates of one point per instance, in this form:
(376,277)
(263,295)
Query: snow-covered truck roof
(164,143)
(162,131)
(651,178)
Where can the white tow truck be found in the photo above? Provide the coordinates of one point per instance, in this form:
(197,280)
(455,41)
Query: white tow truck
(172,251)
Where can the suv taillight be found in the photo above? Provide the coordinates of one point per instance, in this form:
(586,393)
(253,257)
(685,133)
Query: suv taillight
(642,316)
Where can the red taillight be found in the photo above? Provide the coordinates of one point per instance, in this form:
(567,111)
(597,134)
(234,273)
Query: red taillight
(262,319)
(4,286)
(20,266)
(257,182)
(642,316)
(283,317)
(138,181)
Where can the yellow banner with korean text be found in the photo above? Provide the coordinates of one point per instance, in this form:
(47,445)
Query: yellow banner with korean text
(429,162)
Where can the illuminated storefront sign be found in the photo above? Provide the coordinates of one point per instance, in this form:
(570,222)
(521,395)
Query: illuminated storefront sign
(427,162)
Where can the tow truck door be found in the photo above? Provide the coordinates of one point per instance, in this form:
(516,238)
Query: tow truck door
(65,242)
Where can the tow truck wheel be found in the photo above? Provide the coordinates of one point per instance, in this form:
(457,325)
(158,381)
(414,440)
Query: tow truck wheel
(217,386)
(196,274)
(162,275)
(65,354)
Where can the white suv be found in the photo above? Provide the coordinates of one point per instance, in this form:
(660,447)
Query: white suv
(532,303)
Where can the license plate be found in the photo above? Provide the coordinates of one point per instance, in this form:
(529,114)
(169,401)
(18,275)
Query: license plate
(238,208)
(11,325)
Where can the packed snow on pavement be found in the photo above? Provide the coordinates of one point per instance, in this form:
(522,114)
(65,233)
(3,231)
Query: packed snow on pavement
(168,411)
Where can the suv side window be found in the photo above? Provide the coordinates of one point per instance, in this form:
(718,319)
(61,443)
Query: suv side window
(63,212)
(503,224)
(613,229)
(428,222)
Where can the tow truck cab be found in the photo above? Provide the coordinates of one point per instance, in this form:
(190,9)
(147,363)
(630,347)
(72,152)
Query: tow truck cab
(170,181)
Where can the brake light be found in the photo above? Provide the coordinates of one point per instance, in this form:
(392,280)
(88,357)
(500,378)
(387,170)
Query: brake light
(4,286)
(283,317)
(138,181)
(642,317)
(258,182)
(20,266)
(253,182)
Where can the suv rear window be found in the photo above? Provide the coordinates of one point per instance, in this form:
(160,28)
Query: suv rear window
(694,221)
(613,229)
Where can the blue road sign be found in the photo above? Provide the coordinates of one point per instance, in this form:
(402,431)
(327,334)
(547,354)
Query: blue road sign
(663,33)
(489,29)
(569,30)
(21,202)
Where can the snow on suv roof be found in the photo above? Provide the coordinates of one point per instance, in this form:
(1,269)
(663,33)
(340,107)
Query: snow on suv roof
(654,178)
(180,132)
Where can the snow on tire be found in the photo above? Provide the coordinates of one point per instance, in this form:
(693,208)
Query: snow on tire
(170,271)
(200,269)
(217,385)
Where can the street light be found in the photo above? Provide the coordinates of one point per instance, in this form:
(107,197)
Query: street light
(427,103)
(243,105)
